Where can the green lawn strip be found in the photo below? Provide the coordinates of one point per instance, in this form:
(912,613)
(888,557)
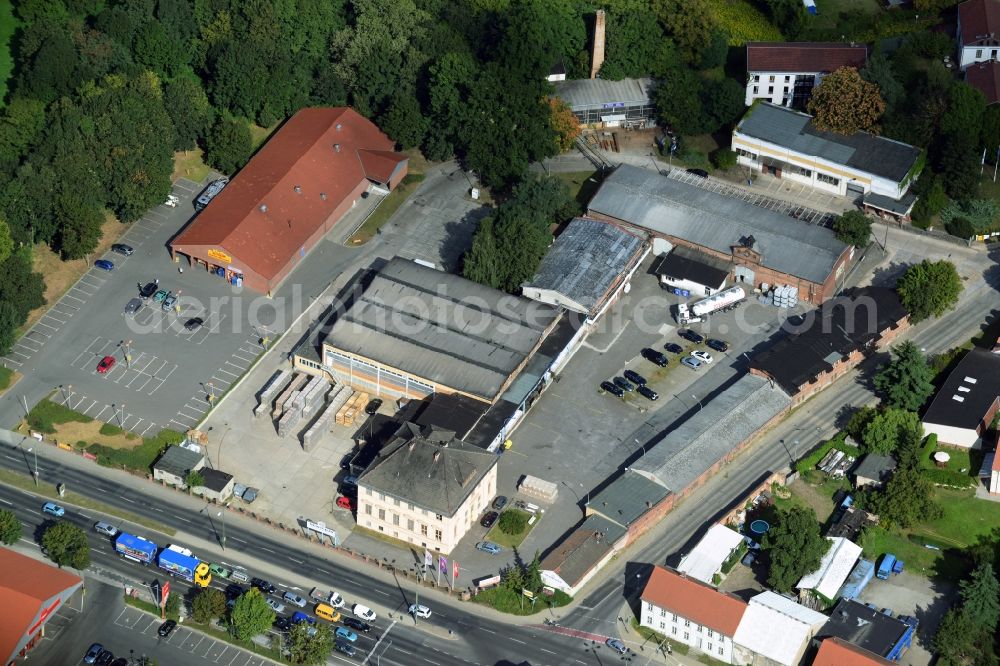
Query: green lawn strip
(508,601)
(47,414)
(6,375)
(499,537)
(387,208)
(25,482)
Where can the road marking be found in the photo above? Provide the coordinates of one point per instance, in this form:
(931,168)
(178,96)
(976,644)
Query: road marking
(488,630)
(544,650)
(5,501)
(517,641)
(128,500)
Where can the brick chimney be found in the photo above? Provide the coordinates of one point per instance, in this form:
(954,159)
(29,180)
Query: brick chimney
(598,54)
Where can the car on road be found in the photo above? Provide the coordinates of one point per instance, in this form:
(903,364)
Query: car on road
(489,547)
(612,388)
(419,610)
(702,356)
(193,324)
(234,591)
(123,249)
(648,393)
(133,306)
(107,529)
(624,384)
(345,502)
(717,345)
(275,605)
(53,509)
(691,336)
(169,301)
(346,634)
(106,364)
(104,264)
(635,377)
(701,173)
(327,612)
(262,585)
(489,519)
(691,362)
(92,652)
(674,348)
(219,571)
(105,658)
(282,623)
(344,648)
(614,643)
(499,502)
(373,406)
(357,624)
(166,628)
(149,289)
(336,600)
(654,356)
(363,612)
(294,599)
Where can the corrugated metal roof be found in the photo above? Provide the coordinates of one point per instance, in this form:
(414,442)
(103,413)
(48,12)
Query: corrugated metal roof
(706,558)
(862,151)
(674,208)
(580,94)
(441,327)
(627,498)
(724,422)
(585,260)
(777,628)
(833,569)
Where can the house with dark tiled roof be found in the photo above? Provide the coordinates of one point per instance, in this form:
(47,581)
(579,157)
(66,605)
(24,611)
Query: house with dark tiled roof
(300,184)
(785,73)
(978,32)
(967,402)
(985,77)
(865,627)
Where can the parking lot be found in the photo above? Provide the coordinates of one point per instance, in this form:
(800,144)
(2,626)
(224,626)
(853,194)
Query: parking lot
(909,594)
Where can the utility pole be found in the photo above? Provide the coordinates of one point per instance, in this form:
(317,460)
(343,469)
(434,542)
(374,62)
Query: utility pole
(121,417)
(211,392)
(34,474)
(222,515)
(127,351)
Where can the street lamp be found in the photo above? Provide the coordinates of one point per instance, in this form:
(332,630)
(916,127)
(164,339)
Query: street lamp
(34,474)
(698,401)
(121,417)
(222,515)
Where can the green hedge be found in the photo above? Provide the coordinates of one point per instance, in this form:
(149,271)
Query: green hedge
(734,557)
(509,601)
(927,450)
(139,458)
(110,430)
(812,459)
(947,477)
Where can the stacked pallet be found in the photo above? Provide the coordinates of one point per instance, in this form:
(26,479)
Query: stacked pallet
(350,410)
(314,395)
(321,426)
(289,394)
(289,421)
(271,389)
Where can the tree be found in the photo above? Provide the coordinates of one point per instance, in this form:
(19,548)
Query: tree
(788,15)
(794,547)
(677,99)
(689,23)
(250,615)
(722,101)
(533,574)
(10,527)
(959,163)
(228,145)
(403,121)
(908,499)
(187,105)
(891,428)
(6,242)
(929,289)
(635,47)
(844,103)
(513,522)
(304,648)
(66,545)
(906,381)
(990,135)
(19,286)
(859,420)
(961,640)
(714,54)
(966,106)
(853,228)
(482,263)
(564,124)
(207,604)
(81,228)
(194,479)
(981,597)
(723,158)
(879,72)
(173,606)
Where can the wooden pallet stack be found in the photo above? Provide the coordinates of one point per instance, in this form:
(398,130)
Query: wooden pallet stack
(349,412)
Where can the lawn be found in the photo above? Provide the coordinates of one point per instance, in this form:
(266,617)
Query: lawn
(508,601)
(8,24)
(191,165)
(744,22)
(7,378)
(498,536)
(386,209)
(581,184)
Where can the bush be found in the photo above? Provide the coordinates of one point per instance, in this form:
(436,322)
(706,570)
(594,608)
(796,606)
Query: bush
(513,522)
(946,477)
(110,430)
(46,415)
(723,158)
(692,157)
(139,458)
(744,22)
(509,601)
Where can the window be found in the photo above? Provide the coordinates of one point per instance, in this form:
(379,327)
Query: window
(698,629)
(800,171)
(649,606)
(381,514)
(663,625)
(687,636)
(437,534)
(687,623)
(381,497)
(423,530)
(979,53)
(770,79)
(438,516)
(368,509)
(709,647)
(747,154)
(409,524)
(770,89)
(756,78)
(673,630)
(787,78)
(709,633)
(663,612)
(395,501)
(368,491)
(675,617)
(993,54)
(395,519)
(756,89)
(720,651)
(823,178)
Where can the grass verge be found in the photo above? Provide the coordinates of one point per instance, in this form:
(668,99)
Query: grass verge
(386,209)
(508,601)
(25,482)
(7,378)
(498,536)
(190,164)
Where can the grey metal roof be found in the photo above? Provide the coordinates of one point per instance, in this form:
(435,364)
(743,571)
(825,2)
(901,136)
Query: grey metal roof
(725,421)
(627,498)
(581,94)
(178,461)
(792,129)
(441,327)
(717,222)
(685,263)
(902,206)
(430,475)
(215,479)
(585,261)
(580,552)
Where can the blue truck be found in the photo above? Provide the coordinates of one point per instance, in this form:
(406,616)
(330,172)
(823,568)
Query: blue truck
(890,565)
(180,561)
(135,548)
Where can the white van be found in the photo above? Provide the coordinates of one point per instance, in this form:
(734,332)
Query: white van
(240,576)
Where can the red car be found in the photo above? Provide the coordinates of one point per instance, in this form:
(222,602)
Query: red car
(106,364)
(345,503)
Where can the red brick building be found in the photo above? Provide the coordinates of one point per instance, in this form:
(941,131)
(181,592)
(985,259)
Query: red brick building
(314,169)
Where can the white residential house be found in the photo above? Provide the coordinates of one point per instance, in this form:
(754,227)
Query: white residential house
(978,32)
(785,73)
(967,402)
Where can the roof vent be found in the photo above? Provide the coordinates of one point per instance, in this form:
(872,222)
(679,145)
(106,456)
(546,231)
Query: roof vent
(322,195)
(263,208)
(298,189)
(339,125)
(336,147)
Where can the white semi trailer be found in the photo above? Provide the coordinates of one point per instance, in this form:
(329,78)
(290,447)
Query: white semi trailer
(690,313)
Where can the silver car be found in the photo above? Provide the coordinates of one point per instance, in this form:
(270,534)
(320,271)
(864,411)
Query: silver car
(276,606)
(294,599)
(692,362)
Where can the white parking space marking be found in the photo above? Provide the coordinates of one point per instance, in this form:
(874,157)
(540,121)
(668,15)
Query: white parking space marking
(42,323)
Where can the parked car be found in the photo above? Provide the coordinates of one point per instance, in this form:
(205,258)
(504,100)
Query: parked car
(701,173)
(160,295)
(262,585)
(169,301)
(419,610)
(120,661)
(104,264)
(107,529)
(166,628)
(123,249)
(105,658)
(346,634)
(691,336)
(357,625)
(717,345)
(350,480)
(363,612)
(106,364)
(345,502)
(648,393)
(702,356)
(614,643)
(299,617)
(172,201)
(612,388)
(489,547)
(691,362)
(275,605)
(489,519)
(655,357)
(53,509)
(635,377)
(373,406)
(149,289)
(133,306)
(336,600)
(624,384)
(294,599)
(344,648)
(193,324)
(219,571)
(674,348)
(91,656)
(500,502)
(234,591)
(282,624)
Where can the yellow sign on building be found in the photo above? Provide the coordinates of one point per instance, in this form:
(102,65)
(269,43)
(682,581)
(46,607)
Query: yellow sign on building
(219,255)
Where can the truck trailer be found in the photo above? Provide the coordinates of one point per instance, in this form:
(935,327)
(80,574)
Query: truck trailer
(180,561)
(135,548)
(690,313)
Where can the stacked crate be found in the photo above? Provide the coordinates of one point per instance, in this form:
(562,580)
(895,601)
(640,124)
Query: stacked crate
(351,408)
(271,389)
(289,394)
